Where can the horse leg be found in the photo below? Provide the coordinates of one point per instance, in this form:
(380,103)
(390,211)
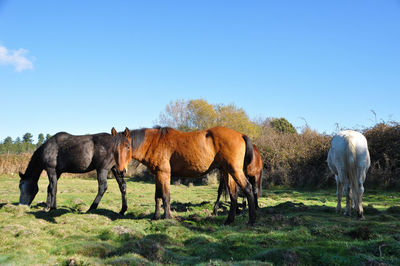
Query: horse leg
(233,195)
(157,198)
(245,185)
(359,207)
(220,190)
(349,198)
(102,182)
(244,204)
(339,191)
(51,202)
(162,192)
(255,190)
(122,187)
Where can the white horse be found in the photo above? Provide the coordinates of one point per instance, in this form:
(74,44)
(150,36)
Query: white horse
(349,160)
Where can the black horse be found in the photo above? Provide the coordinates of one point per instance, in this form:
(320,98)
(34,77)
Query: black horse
(65,153)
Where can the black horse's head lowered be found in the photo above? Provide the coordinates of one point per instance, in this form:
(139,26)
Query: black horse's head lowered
(29,188)
(65,153)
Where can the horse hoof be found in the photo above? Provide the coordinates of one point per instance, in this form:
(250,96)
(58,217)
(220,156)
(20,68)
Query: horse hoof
(93,207)
(122,212)
(46,209)
(156,217)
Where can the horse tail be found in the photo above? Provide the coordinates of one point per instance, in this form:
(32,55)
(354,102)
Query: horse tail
(248,156)
(351,161)
(225,188)
(260,185)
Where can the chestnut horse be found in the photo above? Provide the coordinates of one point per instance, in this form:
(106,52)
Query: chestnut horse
(65,153)
(254,174)
(169,152)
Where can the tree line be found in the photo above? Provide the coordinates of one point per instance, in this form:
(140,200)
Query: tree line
(292,157)
(199,114)
(295,158)
(22,145)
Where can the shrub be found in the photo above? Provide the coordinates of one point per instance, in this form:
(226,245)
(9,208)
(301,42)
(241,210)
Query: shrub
(293,159)
(384,148)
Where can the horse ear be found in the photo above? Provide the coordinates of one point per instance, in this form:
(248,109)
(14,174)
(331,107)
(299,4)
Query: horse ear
(113,132)
(127,133)
(21,175)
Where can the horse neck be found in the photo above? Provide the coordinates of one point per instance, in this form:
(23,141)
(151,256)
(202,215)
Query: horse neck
(35,166)
(142,139)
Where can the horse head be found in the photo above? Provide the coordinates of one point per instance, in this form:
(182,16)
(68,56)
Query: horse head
(28,188)
(122,149)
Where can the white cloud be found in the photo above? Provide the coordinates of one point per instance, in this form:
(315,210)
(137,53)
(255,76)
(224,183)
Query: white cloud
(17,58)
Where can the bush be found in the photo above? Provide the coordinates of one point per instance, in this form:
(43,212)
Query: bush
(294,159)
(283,126)
(384,148)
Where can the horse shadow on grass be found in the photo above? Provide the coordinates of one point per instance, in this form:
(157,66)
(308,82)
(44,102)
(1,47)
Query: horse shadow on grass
(50,216)
(3,204)
(39,212)
(283,214)
(188,206)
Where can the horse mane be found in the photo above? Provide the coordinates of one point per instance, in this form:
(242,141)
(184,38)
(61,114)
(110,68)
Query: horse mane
(117,139)
(35,166)
(138,136)
(163,130)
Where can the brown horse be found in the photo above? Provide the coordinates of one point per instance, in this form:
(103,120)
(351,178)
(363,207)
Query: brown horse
(254,174)
(168,152)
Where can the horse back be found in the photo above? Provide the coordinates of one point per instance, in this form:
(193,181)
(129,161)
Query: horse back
(185,153)
(192,153)
(77,154)
(232,146)
(349,151)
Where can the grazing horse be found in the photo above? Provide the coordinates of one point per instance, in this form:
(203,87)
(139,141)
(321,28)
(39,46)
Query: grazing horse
(169,152)
(65,153)
(254,174)
(349,160)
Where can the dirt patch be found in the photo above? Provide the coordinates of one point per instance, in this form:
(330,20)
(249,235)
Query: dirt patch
(289,206)
(279,257)
(151,250)
(120,230)
(290,258)
(361,232)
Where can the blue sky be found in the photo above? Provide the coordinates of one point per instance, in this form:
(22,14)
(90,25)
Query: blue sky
(86,66)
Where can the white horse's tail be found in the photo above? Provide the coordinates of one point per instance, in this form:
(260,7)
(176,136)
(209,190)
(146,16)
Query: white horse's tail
(352,169)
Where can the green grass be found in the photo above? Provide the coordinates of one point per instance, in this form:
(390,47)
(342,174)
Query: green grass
(293,227)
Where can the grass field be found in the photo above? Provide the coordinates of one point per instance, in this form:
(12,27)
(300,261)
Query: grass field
(293,228)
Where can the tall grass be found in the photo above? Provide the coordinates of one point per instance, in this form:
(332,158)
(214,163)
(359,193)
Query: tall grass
(11,164)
